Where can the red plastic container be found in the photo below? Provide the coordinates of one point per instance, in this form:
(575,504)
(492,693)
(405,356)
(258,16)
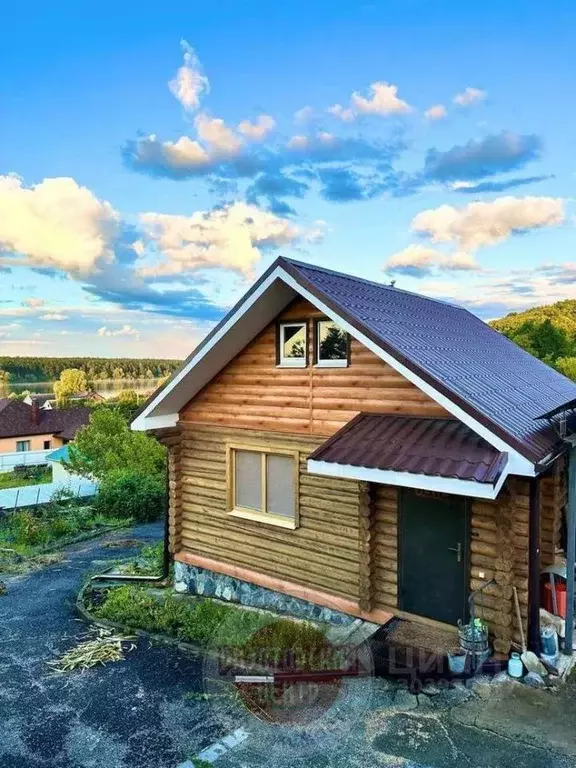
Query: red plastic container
(560,589)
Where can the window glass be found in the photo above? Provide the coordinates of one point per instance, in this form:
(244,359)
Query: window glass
(293,341)
(23,445)
(47,445)
(249,480)
(332,341)
(280,485)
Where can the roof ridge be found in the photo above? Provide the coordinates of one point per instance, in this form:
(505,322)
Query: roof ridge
(318,268)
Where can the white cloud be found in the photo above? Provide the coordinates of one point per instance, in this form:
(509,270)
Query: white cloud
(342,113)
(298,142)
(383,101)
(54,316)
(304,115)
(485,224)
(436,112)
(189,83)
(125,330)
(214,131)
(33,302)
(228,238)
(182,153)
(418,260)
(259,129)
(56,223)
(469,96)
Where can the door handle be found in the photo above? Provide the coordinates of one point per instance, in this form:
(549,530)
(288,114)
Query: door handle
(458,550)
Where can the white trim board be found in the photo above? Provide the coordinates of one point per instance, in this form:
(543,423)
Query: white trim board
(409,479)
(517,464)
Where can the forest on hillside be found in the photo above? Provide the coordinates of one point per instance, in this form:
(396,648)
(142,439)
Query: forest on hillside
(547,332)
(22,369)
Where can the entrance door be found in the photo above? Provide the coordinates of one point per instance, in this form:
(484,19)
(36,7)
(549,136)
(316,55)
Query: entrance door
(433,555)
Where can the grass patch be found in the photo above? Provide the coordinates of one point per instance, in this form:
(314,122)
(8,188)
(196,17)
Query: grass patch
(149,561)
(27,531)
(260,639)
(28,476)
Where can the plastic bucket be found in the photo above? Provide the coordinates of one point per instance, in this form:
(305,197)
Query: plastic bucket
(560,589)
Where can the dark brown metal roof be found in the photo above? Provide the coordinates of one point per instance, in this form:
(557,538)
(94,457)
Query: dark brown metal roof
(422,446)
(18,419)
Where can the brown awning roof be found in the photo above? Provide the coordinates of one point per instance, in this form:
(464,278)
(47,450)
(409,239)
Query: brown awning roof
(424,446)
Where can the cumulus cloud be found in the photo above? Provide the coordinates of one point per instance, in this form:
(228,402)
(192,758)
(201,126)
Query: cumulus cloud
(217,135)
(125,330)
(469,96)
(189,84)
(420,260)
(33,302)
(485,224)
(498,153)
(229,238)
(436,112)
(382,100)
(56,223)
(54,316)
(258,130)
(304,115)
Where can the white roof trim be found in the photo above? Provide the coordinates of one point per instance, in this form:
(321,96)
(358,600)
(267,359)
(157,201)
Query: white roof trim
(409,480)
(517,464)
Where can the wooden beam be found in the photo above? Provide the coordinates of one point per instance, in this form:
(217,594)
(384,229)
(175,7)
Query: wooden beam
(534,566)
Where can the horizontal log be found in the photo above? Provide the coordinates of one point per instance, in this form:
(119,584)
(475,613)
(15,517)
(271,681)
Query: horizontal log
(273,568)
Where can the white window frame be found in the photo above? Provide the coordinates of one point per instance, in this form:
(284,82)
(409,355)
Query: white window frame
(340,363)
(292,362)
(281,521)
(27,443)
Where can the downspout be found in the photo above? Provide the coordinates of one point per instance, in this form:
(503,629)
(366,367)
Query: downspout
(121,577)
(570,549)
(534,566)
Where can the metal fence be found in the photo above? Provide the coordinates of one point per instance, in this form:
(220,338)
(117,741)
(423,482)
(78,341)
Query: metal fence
(22,459)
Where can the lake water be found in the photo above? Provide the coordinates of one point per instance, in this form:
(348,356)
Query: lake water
(104,387)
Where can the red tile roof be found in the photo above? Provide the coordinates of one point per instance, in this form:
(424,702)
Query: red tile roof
(423,446)
(17,419)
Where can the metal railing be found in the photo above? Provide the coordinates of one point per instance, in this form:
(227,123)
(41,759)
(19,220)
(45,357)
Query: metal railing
(22,459)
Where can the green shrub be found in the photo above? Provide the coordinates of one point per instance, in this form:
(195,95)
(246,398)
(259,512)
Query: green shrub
(131,493)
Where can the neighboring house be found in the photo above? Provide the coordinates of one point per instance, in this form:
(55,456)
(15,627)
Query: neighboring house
(360,448)
(26,427)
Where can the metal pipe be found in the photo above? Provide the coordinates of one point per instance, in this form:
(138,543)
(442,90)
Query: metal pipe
(570,550)
(534,566)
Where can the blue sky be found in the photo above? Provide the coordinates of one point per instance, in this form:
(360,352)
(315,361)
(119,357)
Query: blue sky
(154,161)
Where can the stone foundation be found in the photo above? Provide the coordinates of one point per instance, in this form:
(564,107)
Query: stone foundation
(199,581)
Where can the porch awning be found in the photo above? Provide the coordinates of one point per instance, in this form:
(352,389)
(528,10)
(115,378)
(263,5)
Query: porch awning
(442,455)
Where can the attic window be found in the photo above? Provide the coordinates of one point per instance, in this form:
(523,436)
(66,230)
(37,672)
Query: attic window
(292,343)
(332,345)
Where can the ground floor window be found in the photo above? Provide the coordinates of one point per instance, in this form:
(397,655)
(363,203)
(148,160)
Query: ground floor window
(22,446)
(263,485)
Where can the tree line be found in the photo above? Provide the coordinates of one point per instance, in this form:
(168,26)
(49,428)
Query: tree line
(548,333)
(22,369)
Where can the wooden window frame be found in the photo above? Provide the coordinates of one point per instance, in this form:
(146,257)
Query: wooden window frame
(290,362)
(28,443)
(318,363)
(280,521)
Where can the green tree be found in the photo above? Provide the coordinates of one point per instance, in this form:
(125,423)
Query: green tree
(71,381)
(107,445)
(567,366)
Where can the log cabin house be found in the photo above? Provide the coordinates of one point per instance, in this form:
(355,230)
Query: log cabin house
(363,451)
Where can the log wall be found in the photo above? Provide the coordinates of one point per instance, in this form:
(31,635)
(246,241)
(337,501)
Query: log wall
(253,392)
(323,553)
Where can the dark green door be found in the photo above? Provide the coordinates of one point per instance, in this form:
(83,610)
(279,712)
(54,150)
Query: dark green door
(433,555)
